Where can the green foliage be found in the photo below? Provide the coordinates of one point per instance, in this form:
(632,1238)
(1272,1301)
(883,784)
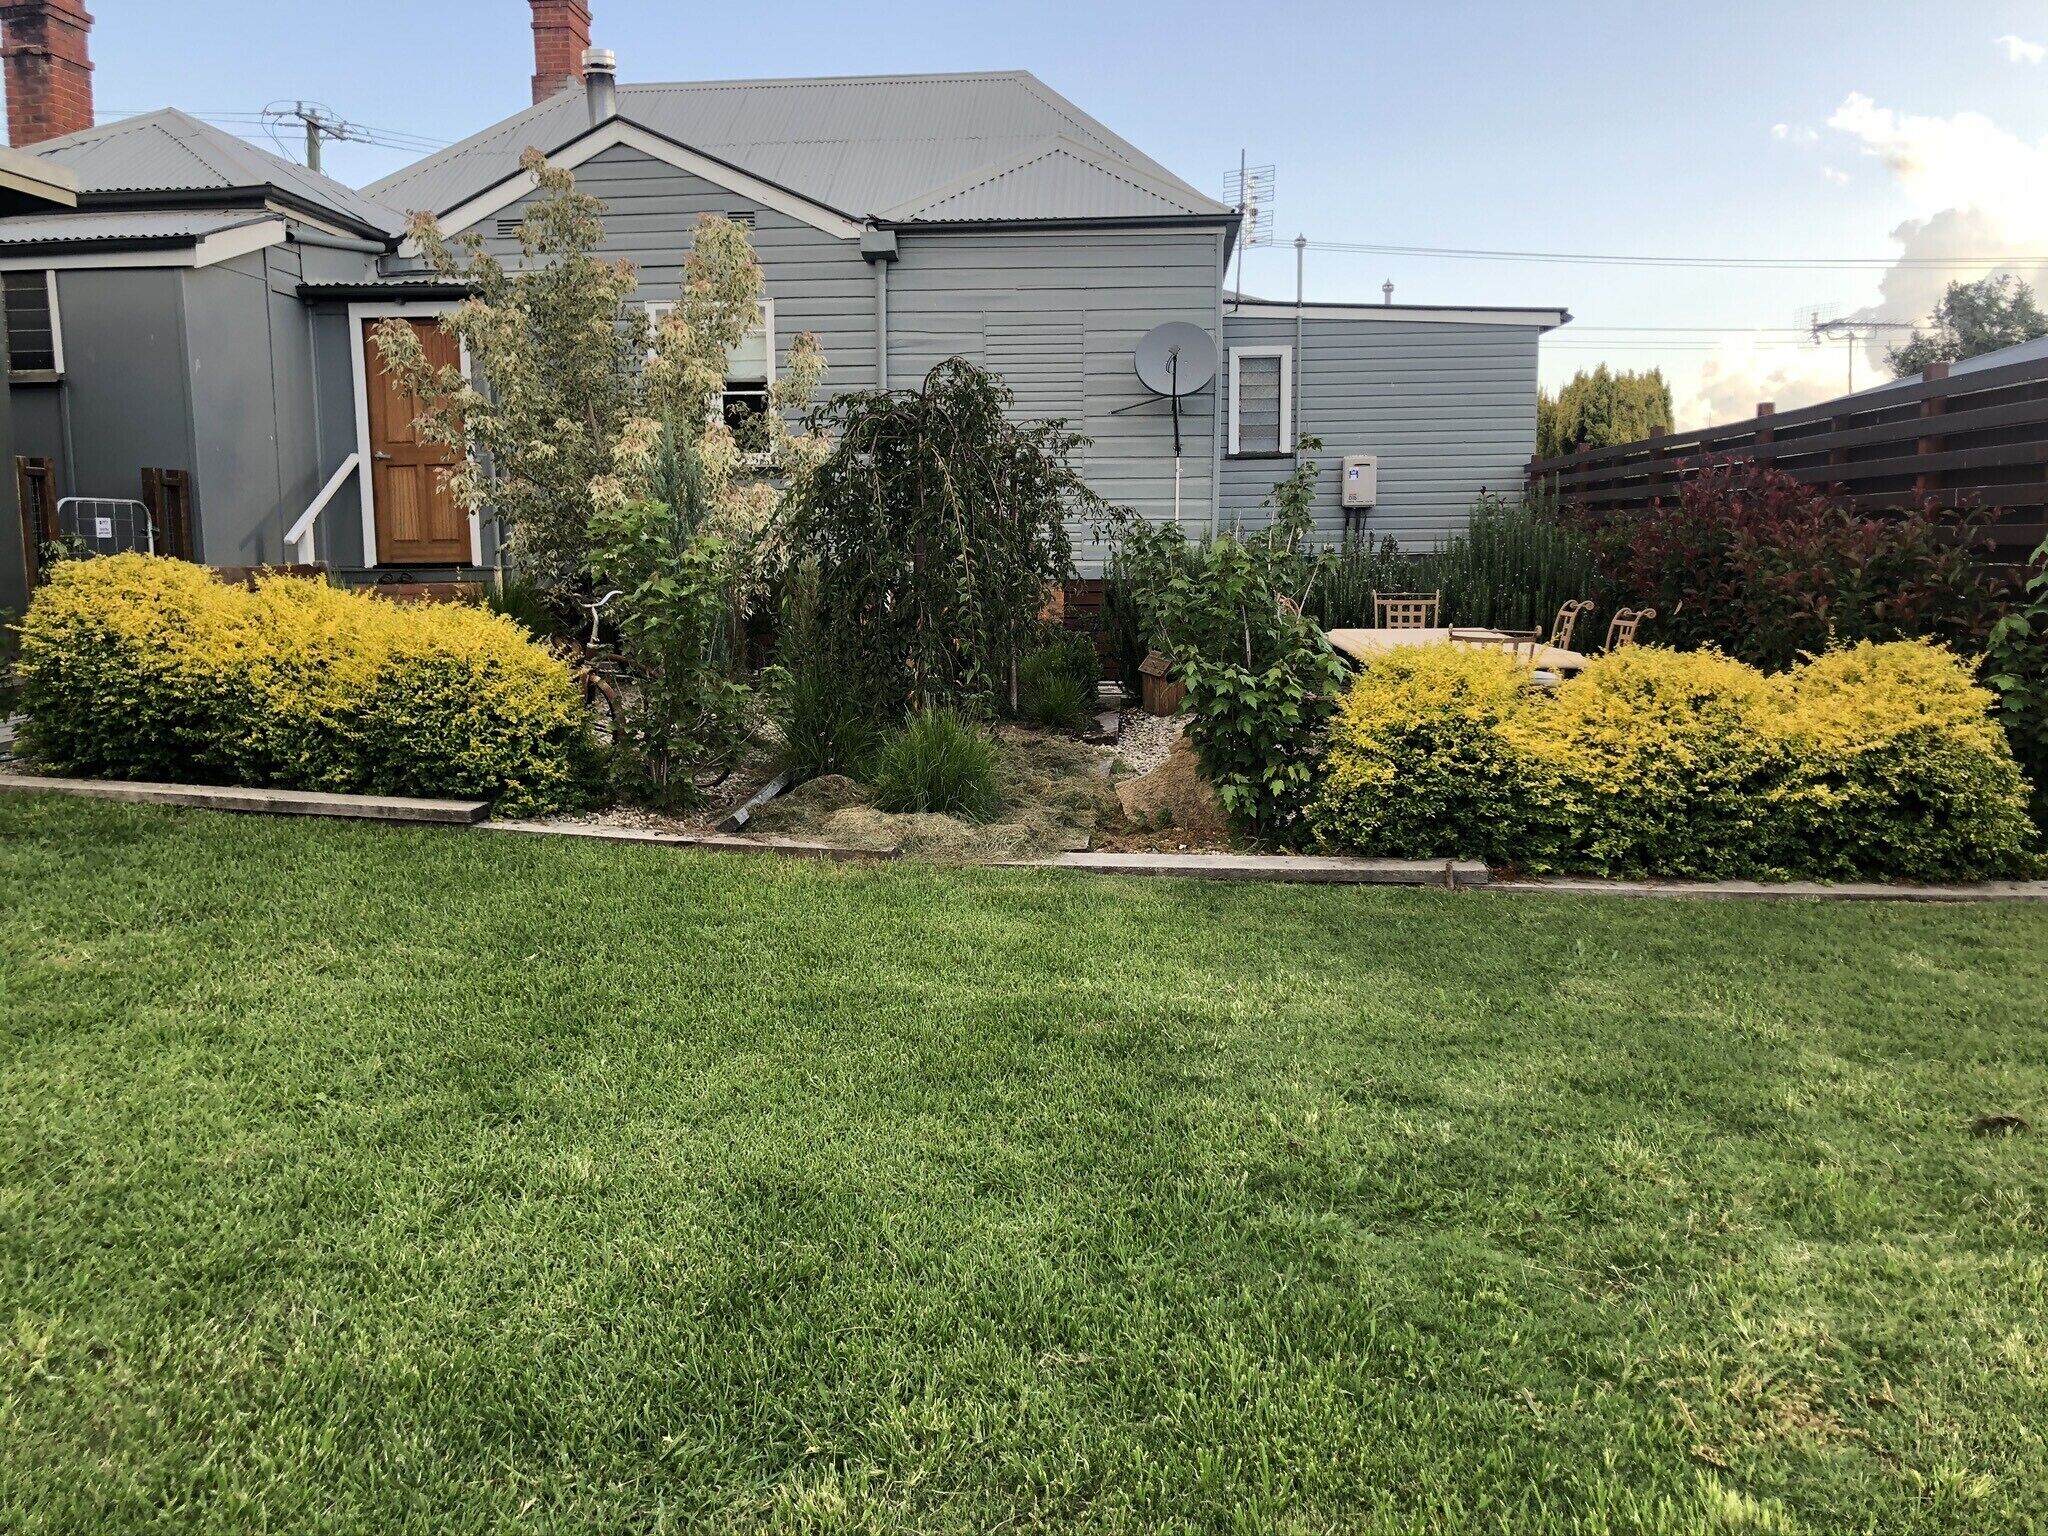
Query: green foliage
(1767,568)
(824,728)
(2016,668)
(518,597)
(1600,409)
(940,762)
(1971,319)
(1515,563)
(936,526)
(141,668)
(684,715)
(1880,761)
(1057,682)
(1260,677)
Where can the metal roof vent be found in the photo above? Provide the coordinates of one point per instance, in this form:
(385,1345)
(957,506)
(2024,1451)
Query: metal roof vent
(601,84)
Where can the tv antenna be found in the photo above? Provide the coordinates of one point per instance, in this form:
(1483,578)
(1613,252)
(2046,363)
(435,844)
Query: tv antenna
(319,123)
(1250,191)
(1173,360)
(1827,323)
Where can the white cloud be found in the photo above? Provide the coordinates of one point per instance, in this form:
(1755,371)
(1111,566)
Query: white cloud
(1839,178)
(1786,131)
(1964,161)
(2019,51)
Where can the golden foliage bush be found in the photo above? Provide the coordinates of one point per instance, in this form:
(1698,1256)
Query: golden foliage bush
(1879,760)
(142,668)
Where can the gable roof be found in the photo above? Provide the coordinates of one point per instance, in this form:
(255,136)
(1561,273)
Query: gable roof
(1056,178)
(171,153)
(858,145)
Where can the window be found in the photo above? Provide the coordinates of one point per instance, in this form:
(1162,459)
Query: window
(749,375)
(1261,401)
(35,342)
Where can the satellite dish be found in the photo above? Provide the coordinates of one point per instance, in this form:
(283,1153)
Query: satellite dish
(1176,358)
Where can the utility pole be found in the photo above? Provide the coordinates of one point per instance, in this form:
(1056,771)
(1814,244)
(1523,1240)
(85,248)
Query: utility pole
(319,123)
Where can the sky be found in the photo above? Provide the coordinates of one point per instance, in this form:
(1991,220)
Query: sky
(1801,131)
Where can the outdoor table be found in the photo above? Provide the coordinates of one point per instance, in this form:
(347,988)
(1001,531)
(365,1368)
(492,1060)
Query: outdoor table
(1364,644)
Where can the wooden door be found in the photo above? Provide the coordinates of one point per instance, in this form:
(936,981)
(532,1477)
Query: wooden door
(419,521)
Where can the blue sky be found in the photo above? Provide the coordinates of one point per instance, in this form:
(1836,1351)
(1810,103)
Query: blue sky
(1770,130)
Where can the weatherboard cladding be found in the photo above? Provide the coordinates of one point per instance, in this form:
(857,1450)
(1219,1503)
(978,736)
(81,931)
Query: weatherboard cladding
(860,145)
(819,284)
(1449,409)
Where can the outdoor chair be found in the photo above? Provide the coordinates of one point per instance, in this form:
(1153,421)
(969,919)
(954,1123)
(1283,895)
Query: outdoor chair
(1406,610)
(1622,631)
(1568,621)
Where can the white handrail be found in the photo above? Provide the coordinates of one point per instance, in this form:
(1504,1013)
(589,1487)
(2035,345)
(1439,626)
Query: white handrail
(300,537)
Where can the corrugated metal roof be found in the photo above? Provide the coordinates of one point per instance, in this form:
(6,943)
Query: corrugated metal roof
(168,151)
(125,224)
(858,144)
(2004,357)
(1054,179)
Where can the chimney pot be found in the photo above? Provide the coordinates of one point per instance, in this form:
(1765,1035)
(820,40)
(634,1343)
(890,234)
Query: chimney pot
(561,36)
(48,68)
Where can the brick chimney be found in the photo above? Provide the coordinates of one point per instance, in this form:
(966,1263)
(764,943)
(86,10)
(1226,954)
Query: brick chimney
(561,31)
(49,76)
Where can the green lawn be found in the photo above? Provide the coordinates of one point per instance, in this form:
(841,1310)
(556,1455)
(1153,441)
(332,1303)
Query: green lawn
(376,1180)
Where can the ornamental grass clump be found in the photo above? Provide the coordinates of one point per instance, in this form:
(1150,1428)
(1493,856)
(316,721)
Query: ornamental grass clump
(940,762)
(1418,767)
(141,668)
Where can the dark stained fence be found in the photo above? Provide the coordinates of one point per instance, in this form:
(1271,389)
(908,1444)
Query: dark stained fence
(1970,439)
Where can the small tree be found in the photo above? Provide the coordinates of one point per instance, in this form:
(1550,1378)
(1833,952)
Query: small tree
(1970,320)
(599,442)
(934,527)
(554,355)
(1600,409)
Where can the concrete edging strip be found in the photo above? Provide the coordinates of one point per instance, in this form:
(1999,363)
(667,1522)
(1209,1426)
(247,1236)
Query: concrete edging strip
(1776,890)
(1279,868)
(268,802)
(700,842)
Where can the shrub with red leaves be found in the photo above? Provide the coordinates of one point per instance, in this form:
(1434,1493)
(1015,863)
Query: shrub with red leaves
(1767,567)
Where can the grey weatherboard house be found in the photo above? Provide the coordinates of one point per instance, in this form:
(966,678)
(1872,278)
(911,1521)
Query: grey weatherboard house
(902,219)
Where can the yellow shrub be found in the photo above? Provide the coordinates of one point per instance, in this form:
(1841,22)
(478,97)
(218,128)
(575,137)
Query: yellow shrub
(1666,764)
(1899,766)
(1417,766)
(144,668)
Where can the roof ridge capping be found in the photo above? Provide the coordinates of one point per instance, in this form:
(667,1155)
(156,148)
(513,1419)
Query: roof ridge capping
(1170,191)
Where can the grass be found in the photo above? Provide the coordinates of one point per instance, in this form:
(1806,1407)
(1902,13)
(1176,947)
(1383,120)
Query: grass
(365,1179)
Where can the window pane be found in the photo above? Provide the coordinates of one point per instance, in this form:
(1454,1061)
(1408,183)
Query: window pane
(31,339)
(747,363)
(1258,405)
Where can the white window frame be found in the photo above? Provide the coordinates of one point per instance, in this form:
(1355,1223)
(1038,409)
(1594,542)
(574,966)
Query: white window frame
(56,338)
(359,367)
(656,308)
(1286,357)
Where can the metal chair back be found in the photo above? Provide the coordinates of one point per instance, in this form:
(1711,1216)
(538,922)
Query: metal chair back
(1406,610)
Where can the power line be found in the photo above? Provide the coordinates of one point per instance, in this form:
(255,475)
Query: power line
(1738,263)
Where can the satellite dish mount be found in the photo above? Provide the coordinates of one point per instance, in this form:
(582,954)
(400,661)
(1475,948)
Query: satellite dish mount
(1176,359)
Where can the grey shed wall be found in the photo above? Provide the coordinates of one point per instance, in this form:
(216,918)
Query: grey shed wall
(1449,408)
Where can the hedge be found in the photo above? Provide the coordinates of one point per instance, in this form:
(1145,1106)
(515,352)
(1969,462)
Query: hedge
(141,668)
(1875,760)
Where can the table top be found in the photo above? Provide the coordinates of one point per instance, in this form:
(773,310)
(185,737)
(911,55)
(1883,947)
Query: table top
(1364,644)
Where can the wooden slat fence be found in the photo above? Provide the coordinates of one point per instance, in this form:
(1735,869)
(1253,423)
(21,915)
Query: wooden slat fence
(1978,438)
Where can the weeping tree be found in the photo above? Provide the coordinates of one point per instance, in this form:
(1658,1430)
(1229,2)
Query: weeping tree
(932,532)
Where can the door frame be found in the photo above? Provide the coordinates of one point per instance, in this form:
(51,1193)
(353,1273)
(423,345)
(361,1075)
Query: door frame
(359,370)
